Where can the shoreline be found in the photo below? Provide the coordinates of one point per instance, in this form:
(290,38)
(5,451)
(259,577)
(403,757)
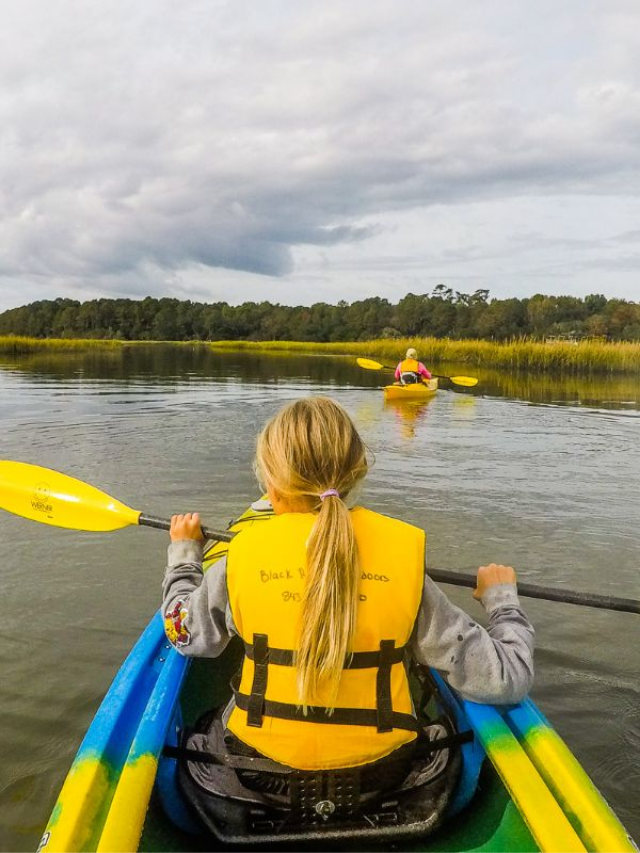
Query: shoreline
(584,357)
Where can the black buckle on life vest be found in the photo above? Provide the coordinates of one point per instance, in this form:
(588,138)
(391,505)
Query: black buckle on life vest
(255,708)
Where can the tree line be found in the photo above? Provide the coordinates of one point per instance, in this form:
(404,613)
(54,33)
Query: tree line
(441,313)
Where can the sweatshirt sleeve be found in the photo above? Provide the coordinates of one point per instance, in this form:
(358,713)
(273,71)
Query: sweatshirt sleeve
(422,370)
(493,665)
(397,373)
(195,606)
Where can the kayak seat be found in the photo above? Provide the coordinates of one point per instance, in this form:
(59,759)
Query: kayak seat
(248,800)
(241,798)
(409,378)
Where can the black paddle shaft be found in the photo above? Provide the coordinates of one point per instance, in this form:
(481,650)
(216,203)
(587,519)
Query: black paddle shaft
(530,590)
(165,524)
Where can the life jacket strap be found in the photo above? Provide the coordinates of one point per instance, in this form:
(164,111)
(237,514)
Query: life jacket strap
(383,717)
(384,704)
(356,660)
(318,714)
(256,701)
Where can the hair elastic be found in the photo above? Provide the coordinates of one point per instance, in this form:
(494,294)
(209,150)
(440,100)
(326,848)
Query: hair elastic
(330,493)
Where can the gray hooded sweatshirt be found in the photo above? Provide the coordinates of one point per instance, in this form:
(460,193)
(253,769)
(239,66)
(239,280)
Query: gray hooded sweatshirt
(492,665)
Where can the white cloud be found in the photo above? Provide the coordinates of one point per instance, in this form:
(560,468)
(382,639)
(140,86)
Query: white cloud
(161,148)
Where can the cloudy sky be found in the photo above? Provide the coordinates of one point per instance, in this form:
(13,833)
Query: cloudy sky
(307,151)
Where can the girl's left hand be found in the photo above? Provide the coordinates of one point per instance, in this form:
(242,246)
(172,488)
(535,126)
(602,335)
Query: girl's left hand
(186,527)
(492,575)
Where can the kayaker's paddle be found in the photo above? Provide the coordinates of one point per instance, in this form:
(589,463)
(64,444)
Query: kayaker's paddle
(62,501)
(369,364)
(50,497)
(548,593)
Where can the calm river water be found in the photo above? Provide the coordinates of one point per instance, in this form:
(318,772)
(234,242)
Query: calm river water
(531,471)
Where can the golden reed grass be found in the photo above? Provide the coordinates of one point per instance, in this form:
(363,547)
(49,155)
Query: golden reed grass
(558,356)
(19,345)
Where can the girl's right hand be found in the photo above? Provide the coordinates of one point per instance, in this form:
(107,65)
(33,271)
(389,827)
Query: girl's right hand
(186,527)
(492,575)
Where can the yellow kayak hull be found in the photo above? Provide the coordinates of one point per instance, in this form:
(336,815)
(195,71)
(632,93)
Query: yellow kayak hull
(422,391)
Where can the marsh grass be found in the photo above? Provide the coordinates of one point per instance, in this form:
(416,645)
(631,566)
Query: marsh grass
(553,357)
(17,345)
(557,356)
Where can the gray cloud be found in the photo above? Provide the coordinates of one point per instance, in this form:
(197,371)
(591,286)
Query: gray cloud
(140,141)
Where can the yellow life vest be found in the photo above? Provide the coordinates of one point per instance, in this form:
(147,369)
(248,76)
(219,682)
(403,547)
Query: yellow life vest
(373,712)
(409,365)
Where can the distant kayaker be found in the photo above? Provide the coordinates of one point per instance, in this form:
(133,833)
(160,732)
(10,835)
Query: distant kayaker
(410,371)
(330,603)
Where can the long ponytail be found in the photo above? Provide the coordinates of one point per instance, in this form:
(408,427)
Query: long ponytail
(328,617)
(311,447)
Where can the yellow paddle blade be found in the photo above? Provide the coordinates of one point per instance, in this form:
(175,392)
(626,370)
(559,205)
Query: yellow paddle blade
(468,381)
(369,364)
(49,497)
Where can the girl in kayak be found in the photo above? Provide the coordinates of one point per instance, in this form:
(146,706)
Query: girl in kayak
(410,371)
(329,602)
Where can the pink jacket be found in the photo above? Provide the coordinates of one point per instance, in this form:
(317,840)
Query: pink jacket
(422,371)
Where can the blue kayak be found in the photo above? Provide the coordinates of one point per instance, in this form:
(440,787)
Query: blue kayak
(520,787)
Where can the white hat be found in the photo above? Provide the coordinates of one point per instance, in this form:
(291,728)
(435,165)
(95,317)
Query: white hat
(411,353)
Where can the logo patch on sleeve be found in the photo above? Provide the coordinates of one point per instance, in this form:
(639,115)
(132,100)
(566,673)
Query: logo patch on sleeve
(174,626)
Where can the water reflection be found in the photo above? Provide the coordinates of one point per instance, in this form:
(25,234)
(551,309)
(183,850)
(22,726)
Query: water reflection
(598,391)
(185,364)
(410,414)
(368,412)
(162,364)
(464,407)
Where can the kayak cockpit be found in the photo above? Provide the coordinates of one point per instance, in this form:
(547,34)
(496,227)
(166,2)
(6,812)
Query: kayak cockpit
(235,802)
(519,787)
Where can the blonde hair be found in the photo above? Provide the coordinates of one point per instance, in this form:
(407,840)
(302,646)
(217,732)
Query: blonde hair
(309,447)
(412,353)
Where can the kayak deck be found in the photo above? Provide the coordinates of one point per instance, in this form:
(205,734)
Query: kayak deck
(418,391)
(533,795)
